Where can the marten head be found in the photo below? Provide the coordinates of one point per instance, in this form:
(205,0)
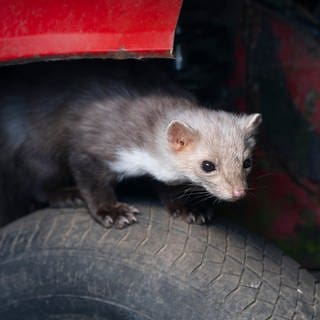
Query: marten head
(214,150)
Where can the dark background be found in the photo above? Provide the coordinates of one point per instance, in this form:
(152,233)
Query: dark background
(262,56)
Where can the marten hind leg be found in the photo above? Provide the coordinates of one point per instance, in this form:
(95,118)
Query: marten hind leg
(66,198)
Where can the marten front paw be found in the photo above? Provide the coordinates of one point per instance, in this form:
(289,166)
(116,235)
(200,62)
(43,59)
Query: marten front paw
(192,215)
(118,215)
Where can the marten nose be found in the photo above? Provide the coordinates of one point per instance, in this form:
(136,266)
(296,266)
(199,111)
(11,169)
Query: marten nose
(239,193)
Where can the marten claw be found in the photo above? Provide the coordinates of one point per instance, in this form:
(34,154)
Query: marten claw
(193,216)
(118,215)
(123,221)
(107,221)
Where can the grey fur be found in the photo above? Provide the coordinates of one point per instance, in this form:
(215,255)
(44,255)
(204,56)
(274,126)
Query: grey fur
(73,128)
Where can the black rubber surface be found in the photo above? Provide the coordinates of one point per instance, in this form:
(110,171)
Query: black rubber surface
(60,264)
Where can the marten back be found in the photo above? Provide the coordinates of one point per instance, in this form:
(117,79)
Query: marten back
(49,109)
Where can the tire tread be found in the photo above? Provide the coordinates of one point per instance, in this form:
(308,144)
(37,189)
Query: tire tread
(235,271)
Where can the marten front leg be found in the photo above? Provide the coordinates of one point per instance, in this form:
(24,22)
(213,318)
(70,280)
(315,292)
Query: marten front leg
(94,180)
(186,203)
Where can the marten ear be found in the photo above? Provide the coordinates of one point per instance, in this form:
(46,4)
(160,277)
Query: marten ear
(180,136)
(252,123)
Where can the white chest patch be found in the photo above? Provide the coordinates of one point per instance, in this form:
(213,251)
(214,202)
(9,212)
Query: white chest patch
(137,162)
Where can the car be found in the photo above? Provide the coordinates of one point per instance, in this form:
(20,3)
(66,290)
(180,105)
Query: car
(61,264)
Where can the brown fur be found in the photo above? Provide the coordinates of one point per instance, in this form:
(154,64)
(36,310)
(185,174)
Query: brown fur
(67,129)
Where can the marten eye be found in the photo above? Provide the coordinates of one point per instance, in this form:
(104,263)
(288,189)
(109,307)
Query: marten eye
(247,163)
(208,166)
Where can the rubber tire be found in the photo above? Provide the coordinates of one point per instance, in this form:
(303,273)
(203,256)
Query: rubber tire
(60,264)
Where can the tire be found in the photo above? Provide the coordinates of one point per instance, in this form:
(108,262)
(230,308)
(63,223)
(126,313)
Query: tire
(60,264)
